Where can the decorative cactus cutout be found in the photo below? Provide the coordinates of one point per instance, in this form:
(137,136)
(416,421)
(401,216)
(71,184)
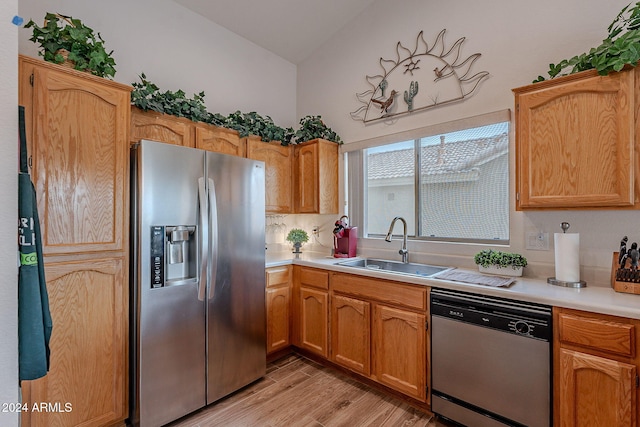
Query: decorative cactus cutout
(408,96)
(383,86)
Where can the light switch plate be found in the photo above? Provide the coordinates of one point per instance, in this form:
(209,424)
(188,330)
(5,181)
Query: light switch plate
(537,241)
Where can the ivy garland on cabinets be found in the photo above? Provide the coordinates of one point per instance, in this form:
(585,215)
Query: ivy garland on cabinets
(147,96)
(620,48)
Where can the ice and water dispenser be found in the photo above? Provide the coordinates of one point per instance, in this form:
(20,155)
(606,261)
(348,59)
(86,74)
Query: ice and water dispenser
(173,255)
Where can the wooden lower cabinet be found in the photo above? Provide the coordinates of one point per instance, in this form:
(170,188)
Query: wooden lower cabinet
(89,309)
(278,300)
(400,350)
(378,329)
(314,307)
(596,364)
(351,333)
(311,310)
(595,391)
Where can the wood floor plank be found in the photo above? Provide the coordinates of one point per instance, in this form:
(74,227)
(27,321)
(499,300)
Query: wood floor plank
(298,392)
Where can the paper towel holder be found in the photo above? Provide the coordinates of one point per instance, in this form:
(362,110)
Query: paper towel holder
(553,281)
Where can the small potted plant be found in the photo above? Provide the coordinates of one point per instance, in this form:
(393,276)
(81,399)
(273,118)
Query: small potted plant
(65,40)
(498,262)
(297,236)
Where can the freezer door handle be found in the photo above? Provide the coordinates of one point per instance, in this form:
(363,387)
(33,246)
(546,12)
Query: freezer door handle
(213,224)
(203,237)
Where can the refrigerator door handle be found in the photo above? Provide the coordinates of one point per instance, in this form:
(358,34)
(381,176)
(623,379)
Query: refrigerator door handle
(203,237)
(213,227)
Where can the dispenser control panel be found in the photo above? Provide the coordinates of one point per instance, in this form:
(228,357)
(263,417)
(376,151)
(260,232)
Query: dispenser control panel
(157,256)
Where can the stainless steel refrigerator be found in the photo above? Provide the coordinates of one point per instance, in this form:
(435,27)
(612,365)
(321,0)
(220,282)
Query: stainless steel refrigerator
(197,279)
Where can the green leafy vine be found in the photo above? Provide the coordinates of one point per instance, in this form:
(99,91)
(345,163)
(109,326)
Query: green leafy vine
(65,39)
(147,96)
(620,48)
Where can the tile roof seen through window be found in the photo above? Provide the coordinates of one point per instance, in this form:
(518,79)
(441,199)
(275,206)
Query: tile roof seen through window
(443,158)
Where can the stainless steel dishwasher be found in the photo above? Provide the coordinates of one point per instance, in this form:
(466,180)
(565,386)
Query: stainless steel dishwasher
(490,360)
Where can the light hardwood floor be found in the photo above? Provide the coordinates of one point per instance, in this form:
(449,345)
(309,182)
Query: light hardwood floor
(299,392)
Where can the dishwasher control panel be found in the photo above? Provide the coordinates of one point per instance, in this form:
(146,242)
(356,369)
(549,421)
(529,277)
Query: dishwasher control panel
(517,317)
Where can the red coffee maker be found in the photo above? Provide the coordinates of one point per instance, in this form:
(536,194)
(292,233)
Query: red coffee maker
(345,239)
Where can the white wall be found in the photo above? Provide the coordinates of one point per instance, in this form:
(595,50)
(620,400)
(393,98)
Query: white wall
(517,41)
(178,49)
(9,210)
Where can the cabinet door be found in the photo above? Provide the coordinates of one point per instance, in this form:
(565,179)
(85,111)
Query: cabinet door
(220,140)
(316,176)
(81,160)
(399,350)
(278,161)
(278,313)
(314,320)
(595,391)
(88,302)
(80,131)
(306,175)
(575,142)
(351,333)
(160,127)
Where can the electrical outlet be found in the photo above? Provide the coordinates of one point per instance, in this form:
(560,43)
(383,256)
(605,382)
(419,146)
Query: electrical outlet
(316,230)
(537,241)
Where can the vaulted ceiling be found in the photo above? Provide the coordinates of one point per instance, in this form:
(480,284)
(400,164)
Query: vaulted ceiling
(292,29)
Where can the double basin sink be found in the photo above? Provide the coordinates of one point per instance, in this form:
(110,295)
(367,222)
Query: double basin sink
(410,268)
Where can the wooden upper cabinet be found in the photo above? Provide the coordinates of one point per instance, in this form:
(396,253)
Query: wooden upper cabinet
(278,161)
(220,140)
(79,128)
(316,177)
(160,127)
(575,142)
(182,131)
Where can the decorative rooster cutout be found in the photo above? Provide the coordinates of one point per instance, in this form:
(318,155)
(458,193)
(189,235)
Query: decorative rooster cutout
(385,105)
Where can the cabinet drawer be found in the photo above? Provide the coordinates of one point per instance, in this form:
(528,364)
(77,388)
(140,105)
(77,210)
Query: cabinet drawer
(314,278)
(380,290)
(597,334)
(278,276)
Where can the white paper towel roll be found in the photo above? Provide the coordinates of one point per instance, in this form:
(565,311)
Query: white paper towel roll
(567,247)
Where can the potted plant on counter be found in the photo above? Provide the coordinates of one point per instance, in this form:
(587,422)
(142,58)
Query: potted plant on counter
(498,262)
(297,236)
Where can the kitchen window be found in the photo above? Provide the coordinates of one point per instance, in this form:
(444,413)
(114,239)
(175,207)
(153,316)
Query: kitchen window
(450,182)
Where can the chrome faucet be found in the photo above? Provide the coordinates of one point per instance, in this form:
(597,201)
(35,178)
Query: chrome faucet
(403,251)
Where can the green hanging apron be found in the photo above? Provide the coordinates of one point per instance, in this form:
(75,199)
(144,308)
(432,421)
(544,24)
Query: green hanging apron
(34,318)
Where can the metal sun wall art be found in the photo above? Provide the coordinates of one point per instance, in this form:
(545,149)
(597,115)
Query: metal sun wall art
(427,77)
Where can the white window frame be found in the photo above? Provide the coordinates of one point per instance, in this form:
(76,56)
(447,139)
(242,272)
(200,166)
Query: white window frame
(355,168)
